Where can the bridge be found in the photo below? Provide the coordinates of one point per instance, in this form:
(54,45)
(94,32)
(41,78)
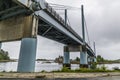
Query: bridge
(25,19)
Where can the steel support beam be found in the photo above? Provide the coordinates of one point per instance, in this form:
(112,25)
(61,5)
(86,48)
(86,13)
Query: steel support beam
(27,55)
(66,62)
(46,31)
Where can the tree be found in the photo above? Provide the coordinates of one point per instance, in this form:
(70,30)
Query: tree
(100,58)
(59,59)
(77,59)
(4,55)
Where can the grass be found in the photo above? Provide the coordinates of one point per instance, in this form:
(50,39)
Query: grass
(87,70)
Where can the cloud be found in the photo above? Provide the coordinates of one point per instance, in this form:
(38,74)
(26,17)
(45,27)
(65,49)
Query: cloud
(103,22)
(106,24)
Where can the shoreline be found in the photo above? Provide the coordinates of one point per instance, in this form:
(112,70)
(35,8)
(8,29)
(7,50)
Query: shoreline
(2,61)
(58,75)
(16,60)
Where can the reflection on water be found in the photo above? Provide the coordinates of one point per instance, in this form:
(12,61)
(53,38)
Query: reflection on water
(110,66)
(40,66)
(52,66)
(47,66)
(8,66)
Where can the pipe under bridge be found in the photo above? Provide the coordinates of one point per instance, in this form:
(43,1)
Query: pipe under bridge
(25,19)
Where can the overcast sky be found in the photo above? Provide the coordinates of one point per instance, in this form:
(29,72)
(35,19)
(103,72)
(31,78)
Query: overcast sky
(103,22)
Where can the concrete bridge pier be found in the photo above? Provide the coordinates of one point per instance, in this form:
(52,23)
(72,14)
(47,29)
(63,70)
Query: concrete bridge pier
(66,59)
(27,55)
(90,61)
(95,59)
(0,45)
(83,59)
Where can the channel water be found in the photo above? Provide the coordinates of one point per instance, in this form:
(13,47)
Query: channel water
(45,66)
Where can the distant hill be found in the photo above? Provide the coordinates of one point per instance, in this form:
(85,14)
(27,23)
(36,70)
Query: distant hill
(118,60)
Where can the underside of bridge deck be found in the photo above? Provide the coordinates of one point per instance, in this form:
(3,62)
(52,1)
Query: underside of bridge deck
(12,8)
(50,32)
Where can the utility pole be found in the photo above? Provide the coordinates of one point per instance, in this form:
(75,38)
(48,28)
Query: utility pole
(83,28)
(65,17)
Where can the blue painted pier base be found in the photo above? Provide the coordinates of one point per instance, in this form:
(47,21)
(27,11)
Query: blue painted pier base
(66,59)
(27,55)
(91,61)
(0,45)
(83,59)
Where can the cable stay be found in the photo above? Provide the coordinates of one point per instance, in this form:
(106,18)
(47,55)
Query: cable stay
(63,7)
(87,31)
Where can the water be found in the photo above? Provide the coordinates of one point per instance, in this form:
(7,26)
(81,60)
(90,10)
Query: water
(110,66)
(40,66)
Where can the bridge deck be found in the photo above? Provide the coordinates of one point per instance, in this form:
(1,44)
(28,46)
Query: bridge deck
(50,32)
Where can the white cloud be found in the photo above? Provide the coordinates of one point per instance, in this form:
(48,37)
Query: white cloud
(103,24)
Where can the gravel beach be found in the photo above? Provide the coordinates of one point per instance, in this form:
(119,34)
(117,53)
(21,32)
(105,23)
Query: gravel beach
(56,76)
(96,78)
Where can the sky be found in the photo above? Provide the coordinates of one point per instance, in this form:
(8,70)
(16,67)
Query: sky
(102,19)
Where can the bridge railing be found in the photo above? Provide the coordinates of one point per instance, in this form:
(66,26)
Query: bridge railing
(61,20)
(54,13)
